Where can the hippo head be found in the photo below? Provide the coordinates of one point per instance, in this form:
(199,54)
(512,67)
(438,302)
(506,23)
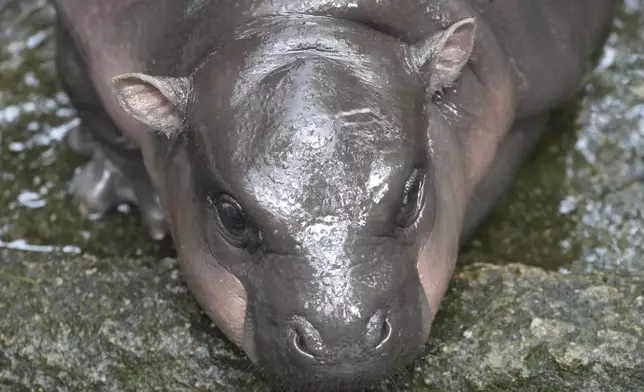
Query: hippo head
(303,191)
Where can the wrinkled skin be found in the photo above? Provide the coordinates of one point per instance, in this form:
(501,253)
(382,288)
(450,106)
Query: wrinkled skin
(317,163)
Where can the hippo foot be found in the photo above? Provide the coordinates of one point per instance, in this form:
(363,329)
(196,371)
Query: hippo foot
(80,141)
(100,186)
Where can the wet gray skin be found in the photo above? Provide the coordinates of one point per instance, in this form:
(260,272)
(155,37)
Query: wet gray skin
(312,204)
(314,161)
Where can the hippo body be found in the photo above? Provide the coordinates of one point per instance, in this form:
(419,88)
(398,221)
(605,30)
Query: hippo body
(317,163)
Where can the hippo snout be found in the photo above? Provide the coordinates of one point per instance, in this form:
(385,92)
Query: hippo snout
(308,343)
(353,345)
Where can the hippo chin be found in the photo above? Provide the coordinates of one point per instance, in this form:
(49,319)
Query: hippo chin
(316,163)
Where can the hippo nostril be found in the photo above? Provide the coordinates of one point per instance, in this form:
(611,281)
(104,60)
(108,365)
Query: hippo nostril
(378,330)
(306,340)
(300,344)
(385,333)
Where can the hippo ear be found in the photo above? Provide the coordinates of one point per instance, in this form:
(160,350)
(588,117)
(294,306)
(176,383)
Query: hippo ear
(158,102)
(443,55)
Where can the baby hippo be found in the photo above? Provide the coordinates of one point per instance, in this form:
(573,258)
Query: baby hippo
(316,163)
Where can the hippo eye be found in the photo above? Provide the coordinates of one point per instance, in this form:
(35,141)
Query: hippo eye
(412,199)
(232,220)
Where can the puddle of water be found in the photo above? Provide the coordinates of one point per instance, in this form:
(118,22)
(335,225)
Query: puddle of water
(577,204)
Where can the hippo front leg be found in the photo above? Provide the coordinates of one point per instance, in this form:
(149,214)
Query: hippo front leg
(116,173)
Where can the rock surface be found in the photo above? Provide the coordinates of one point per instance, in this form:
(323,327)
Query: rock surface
(78,323)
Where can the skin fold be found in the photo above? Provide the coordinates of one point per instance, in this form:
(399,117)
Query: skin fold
(317,163)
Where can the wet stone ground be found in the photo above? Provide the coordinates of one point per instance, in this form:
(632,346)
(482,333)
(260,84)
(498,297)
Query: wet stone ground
(549,295)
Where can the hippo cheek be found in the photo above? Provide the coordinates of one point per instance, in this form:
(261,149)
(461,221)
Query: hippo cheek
(435,269)
(437,254)
(439,227)
(219,292)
